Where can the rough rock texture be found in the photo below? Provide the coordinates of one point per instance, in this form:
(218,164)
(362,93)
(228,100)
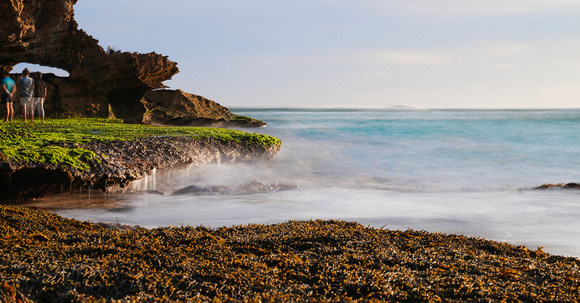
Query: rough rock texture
(118,163)
(175,107)
(44,32)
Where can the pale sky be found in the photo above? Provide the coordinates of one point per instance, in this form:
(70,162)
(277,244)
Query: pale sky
(355,53)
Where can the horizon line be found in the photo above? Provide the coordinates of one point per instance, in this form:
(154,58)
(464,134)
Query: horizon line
(410,108)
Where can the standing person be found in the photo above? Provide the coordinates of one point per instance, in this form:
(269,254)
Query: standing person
(39,96)
(25,87)
(8,90)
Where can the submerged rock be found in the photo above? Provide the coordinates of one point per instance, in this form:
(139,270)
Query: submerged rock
(199,190)
(261,187)
(253,187)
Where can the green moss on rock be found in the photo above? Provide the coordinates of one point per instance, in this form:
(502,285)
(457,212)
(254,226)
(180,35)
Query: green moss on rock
(60,141)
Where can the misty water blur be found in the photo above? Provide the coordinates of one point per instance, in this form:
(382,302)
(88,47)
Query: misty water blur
(465,172)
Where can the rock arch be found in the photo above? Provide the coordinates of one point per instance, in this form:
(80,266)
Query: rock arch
(44,32)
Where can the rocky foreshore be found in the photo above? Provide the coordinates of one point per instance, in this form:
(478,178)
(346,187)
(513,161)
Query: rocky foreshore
(119,162)
(48,258)
(63,155)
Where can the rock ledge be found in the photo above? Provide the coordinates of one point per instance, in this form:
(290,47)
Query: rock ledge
(119,162)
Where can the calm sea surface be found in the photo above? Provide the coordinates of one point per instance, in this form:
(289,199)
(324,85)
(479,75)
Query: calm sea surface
(454,171)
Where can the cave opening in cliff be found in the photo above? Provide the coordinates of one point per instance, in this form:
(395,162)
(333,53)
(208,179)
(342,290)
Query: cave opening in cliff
(56,80)
(18,68)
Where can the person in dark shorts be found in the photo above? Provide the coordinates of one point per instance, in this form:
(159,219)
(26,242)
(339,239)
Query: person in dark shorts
(8,90)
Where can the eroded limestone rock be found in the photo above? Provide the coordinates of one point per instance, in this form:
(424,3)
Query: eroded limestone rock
(176,107)
(45,32)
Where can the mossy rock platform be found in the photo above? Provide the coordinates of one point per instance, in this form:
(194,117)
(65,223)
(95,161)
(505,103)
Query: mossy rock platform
(63,154)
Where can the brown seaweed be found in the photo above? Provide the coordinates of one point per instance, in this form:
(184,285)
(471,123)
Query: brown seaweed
(52,259)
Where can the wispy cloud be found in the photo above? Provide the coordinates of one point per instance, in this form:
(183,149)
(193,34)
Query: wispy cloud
(462,8)
(351,59)
(409,57)
(508,48)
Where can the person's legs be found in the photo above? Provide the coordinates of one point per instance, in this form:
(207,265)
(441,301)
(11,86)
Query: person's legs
(41,108)
(24,104)
(7,101)
(32,106)
(7,111)
(10,110)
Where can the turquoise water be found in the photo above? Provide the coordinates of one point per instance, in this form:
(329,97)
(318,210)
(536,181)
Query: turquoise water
(454,171)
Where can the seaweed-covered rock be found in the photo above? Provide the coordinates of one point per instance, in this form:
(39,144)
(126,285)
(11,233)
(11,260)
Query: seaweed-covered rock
(54,259)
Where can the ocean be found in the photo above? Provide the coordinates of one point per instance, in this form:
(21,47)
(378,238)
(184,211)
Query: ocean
(469,172)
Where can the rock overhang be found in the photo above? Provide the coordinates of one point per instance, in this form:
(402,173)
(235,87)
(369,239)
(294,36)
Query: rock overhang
(101,83)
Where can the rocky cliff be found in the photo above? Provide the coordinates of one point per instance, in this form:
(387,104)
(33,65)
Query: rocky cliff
(45,32)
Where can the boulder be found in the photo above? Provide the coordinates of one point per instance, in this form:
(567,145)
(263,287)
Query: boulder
(176,107)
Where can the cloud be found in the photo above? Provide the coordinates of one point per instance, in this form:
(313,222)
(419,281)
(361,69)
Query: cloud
(508,48)
(410,57)
(501,65)
(476,8)
(350,59)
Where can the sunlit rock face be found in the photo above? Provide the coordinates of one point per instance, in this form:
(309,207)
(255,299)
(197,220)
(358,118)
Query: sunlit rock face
(175,107)
(101,84)
(178,108)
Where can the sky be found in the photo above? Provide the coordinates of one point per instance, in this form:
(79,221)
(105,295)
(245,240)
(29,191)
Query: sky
(355,53)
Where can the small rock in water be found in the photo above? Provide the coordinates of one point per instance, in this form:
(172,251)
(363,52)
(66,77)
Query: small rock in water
(253,187)
(261,187)
(558,185)
(198,190)
(153,192)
